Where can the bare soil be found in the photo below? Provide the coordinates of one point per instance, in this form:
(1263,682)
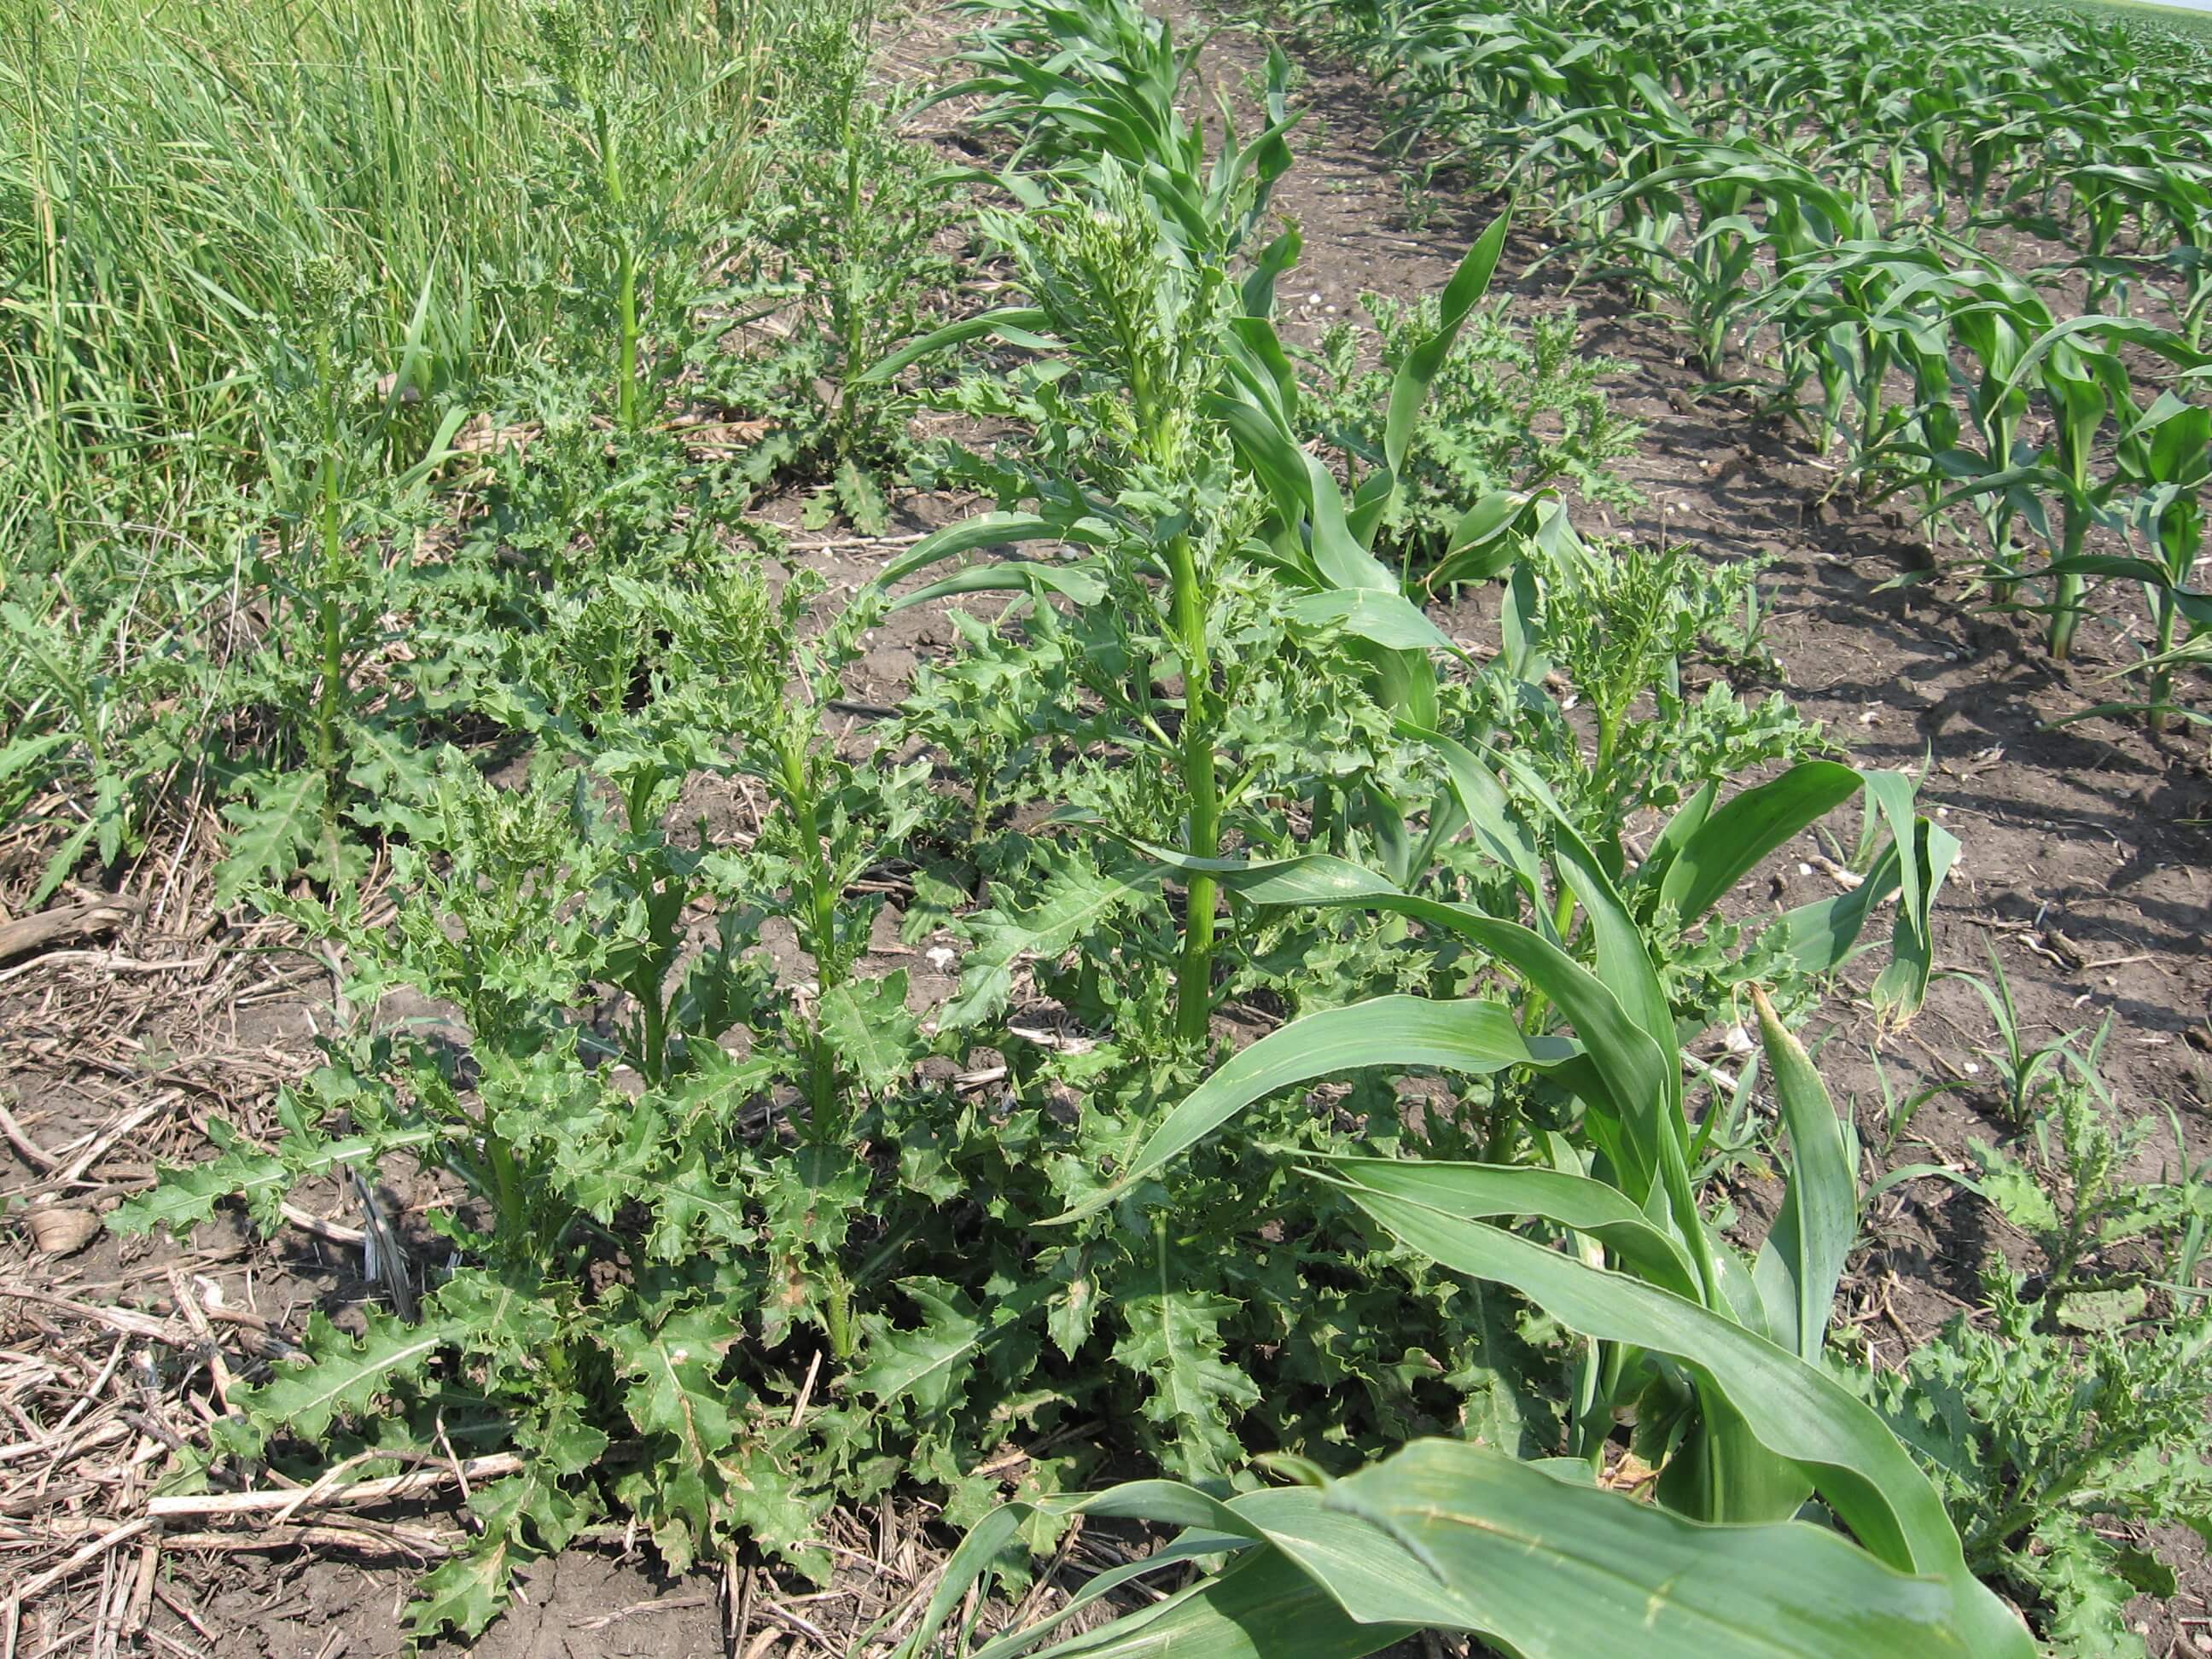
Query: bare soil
(2085,869)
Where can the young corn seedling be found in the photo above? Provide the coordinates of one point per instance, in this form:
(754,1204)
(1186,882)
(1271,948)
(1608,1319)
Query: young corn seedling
(1872,312)
(2077,367)
(2166,456)
(1704,198)
(1996,318)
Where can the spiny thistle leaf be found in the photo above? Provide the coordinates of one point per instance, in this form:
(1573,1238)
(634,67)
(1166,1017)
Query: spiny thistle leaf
(693,1204)
(875,1037)
(279,820)
(676,1393)
(1074,898)
(930,1363)
(341,1375)
(466,1593)
(187,1195)
(1175,1340)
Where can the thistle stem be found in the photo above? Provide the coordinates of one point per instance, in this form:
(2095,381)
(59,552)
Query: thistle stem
(818,928)
(1195,975)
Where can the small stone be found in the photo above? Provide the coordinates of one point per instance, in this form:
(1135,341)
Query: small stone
(1804,869)
(1973,1068)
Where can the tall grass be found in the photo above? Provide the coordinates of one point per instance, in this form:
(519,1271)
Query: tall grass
(181,180)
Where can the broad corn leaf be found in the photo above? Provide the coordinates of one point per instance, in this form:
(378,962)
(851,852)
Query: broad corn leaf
(1641,1079)
(1477,1191)
(1729,842)
(1409,390)
(1376,614)
(1456,1536)
(986,530)
(1448,1535)
(1803,1257)
(1017,323)
(1796,1411)
(1471,1038)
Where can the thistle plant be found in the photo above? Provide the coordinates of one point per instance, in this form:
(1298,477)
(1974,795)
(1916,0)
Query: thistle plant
(603,1138)
(335,583)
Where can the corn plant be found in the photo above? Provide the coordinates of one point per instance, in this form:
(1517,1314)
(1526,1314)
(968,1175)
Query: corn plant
(1101,81)
(1722,1355)
(1997,318)
(2165,455)
(1733,221)
(2077,366)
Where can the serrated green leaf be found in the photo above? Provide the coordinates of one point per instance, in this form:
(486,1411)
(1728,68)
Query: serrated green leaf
(675,1391)
(186,1194)
(341,1376)
(279,821)
(466,1593)
(1074,897)
(876,1039)
(1173,1339)
(929,1363)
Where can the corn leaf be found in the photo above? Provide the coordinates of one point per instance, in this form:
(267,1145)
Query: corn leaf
(1448,1535)
(1482,1192)
(1803,1257)
(1468,1037)
(1796,1411)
